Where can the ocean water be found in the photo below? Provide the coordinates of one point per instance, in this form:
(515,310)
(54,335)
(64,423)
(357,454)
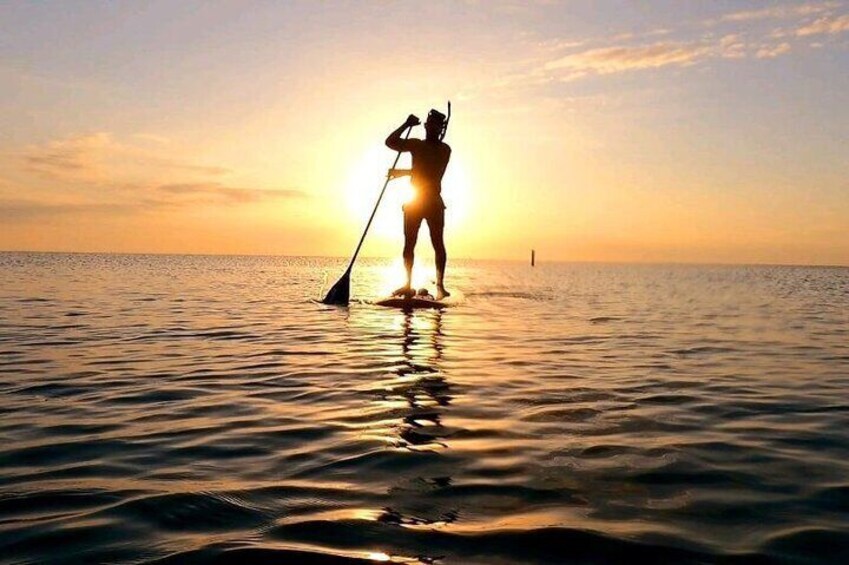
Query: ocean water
(188,409)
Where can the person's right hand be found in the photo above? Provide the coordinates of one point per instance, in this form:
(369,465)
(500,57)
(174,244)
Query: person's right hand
(396,173)
(412,120)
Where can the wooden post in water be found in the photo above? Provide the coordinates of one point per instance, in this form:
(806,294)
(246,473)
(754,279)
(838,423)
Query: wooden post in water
(533,257)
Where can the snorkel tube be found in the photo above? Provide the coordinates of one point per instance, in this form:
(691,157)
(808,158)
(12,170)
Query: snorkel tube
(445,124)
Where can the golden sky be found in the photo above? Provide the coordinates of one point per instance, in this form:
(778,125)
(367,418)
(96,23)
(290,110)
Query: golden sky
(600,131)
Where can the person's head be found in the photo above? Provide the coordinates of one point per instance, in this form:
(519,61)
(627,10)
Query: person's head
(435,124)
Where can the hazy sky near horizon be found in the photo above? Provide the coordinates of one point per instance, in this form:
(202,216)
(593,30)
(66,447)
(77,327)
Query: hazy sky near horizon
(597,130)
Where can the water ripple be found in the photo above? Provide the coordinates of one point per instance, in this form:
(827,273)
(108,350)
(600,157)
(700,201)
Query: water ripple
(204,410)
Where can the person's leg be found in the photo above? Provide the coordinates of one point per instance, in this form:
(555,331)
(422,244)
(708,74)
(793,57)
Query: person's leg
(436,225)
(412,223)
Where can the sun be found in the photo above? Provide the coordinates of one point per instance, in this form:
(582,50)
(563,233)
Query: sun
(456,193)
(366,176)
(363,183)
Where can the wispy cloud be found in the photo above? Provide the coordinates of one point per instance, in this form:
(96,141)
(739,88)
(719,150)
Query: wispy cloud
(787,11)
(830,25)
(770,51)
(18,210)
(76,156)
(137,199)
(95,174)
(219,192)
(99,156)
(622,58)
(743,39)
(750,35)
(607,60)
(819,18)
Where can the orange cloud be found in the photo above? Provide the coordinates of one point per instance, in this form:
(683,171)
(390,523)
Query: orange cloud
(15,210)
(607,60)
(770,51)
(220,193)
(90,157)
(76,156)
(94,174)
(138,199)
(780,12)
(830,25)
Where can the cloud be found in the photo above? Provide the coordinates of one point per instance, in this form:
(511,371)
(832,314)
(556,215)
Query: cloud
(607,60)
(771,51)
(12,211)
(219,192)
(616,59)
(136,199)
(780,12)
(74,156)
(558,60)
(830,25)
(94,174)
(612,59)
(731,46)
(98,156)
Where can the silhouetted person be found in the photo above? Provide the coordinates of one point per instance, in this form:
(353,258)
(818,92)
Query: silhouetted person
(430,158)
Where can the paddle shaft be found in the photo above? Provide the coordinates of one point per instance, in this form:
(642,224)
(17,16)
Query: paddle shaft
(373,212)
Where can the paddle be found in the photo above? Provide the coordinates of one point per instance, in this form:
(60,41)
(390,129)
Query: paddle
(340,293)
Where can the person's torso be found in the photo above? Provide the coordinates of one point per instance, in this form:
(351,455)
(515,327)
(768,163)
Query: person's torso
(430,158)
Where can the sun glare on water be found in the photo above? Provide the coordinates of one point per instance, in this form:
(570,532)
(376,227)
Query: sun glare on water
(391,276)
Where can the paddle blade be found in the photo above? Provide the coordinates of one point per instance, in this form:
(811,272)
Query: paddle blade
(340,293)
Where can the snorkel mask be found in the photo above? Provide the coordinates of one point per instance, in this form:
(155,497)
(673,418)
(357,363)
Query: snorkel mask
(437,117)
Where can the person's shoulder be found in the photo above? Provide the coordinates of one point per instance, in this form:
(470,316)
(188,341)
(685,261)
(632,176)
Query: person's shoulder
(445,147)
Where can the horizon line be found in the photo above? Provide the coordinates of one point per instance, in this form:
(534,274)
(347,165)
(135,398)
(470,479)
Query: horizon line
(482,259)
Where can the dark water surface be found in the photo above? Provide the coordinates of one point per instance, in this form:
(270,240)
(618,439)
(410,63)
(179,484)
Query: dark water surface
(169,409)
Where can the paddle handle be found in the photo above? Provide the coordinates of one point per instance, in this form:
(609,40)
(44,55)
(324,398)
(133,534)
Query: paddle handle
(373,212)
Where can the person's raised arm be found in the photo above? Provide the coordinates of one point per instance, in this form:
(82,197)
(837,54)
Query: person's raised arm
(395,141)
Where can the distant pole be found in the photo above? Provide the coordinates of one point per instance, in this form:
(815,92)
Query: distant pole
(533,257)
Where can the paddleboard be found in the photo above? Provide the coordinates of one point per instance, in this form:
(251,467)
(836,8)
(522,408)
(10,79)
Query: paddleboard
(412,302)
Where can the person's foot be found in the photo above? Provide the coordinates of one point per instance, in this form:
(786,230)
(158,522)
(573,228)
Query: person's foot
(442,293)
(404,291)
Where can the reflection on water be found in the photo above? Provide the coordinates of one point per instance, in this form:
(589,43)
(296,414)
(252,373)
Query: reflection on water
(205,410)
(420,383)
